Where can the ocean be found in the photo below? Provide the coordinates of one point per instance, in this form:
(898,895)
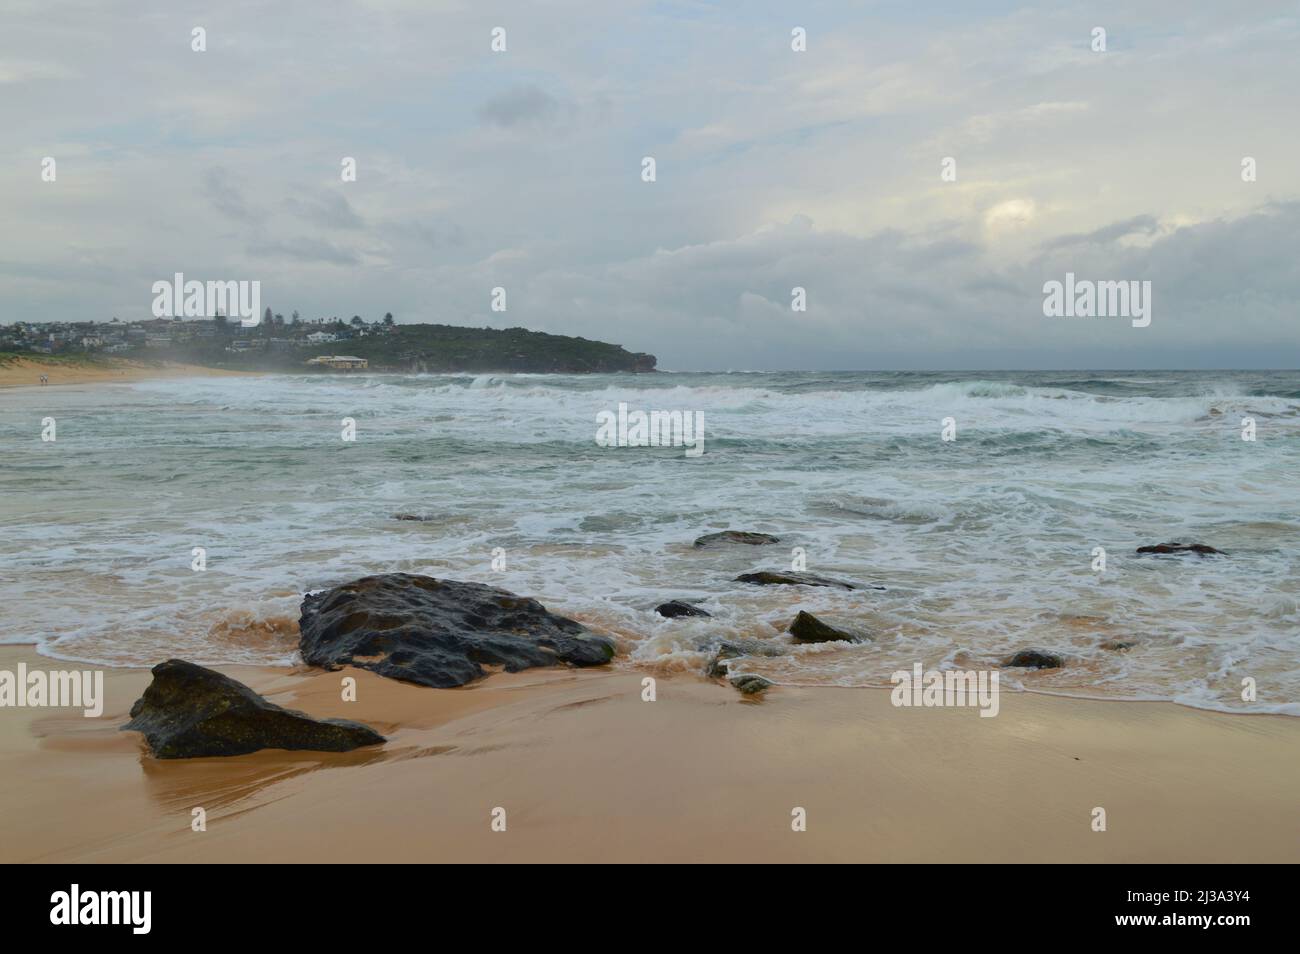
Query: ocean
(985,543)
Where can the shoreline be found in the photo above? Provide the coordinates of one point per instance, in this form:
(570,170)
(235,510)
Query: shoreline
(82,664)
(587,771)
(25,372)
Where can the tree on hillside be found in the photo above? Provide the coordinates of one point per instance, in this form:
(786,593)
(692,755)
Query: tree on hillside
(388,318)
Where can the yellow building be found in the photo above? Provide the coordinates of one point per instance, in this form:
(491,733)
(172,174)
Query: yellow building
(341,362)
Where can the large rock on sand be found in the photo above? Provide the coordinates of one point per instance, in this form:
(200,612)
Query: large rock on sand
(190,712)
(439,633)
(736,536)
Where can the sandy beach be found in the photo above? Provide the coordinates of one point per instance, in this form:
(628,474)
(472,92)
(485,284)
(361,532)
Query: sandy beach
(26,372)
(587,771)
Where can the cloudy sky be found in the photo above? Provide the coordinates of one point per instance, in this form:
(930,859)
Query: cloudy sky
(775,169)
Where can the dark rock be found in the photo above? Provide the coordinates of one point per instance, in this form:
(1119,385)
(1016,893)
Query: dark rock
(736,536)
(750,647)
(1200,549)
(1119,645)
(770,578)
(1034,659)
(191,712)
(438,632)
(735,649)
(750,684)
(807,628)
(675,608)
(411,516)
(717,667)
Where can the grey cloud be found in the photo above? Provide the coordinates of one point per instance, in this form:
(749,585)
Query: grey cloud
(900,268)
(1138,225)
(307,250)
(326,209)
(520,105)
(883,301)
(226,196)
(432,234)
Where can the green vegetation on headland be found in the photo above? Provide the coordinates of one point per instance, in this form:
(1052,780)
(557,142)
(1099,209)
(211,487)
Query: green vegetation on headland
(279,345)
(74,359)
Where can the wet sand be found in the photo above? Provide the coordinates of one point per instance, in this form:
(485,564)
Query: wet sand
(26,372)
(587,771)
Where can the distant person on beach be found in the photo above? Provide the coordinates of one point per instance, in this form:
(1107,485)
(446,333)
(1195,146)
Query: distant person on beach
(45,379)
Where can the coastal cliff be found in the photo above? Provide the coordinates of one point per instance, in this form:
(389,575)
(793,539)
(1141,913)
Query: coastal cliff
(274,345)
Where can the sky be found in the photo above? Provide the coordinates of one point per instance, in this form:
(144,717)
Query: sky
(775,169)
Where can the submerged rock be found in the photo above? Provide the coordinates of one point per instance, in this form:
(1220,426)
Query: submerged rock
(439,633)
(1200,549)
(736,536)
(777,578)
(750,684)
(1034,659)
(421,518)
(1119,645)
(807,628)
(717,667)
(750,647)
(735,649)
(189,711)
(675,608)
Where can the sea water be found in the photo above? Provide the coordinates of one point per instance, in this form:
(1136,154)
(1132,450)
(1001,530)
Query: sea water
(985,543)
